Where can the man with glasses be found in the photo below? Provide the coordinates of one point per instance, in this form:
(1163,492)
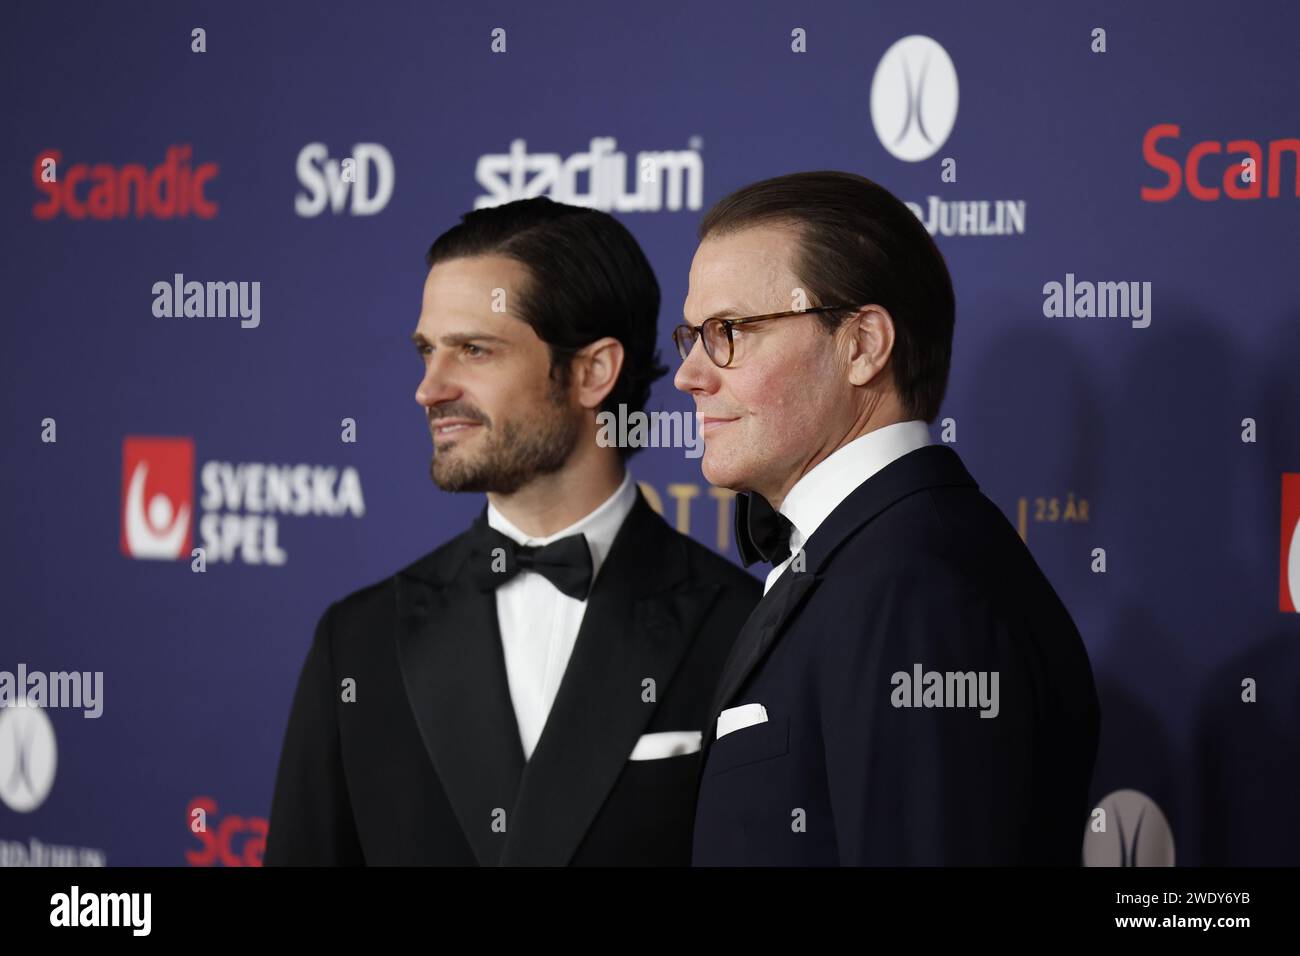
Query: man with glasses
(910,690)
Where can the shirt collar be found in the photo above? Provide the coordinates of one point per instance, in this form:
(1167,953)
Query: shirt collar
(818,493)
(599,526)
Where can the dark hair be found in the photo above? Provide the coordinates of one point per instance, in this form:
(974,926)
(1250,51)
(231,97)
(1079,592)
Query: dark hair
(860,245)
(589,279)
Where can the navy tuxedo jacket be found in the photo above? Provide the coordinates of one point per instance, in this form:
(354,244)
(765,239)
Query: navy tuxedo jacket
(916,574)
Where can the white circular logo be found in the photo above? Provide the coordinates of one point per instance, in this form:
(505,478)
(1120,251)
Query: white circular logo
(914,98)
(28,757)
(1127,829)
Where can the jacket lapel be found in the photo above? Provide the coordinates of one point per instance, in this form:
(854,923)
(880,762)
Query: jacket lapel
(449,649)
(641,617)
(928,467)
(764,625)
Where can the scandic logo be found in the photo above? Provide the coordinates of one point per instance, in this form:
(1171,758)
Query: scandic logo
(229,840)
(1289,599)
(237,510)
(1242,176)
(170,190)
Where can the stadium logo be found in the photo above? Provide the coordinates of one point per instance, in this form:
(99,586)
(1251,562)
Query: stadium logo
(670,179)
(1289,599)
(28,757)
(1127,829)
(914,98)
(1243,176)
(170,190)
(239,504)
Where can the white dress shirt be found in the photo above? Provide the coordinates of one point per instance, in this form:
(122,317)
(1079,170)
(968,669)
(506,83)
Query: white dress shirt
(834,478)
(539,623)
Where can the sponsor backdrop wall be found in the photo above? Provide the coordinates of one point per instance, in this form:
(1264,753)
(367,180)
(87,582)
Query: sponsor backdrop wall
(1114,187)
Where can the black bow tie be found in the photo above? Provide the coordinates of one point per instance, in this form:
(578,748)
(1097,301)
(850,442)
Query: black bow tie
(566,563)
(762,533)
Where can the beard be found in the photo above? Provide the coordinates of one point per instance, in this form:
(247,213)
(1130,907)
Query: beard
(510,456)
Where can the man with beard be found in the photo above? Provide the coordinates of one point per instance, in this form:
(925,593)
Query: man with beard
(533,691)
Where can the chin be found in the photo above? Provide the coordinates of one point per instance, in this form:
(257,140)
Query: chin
(720,472)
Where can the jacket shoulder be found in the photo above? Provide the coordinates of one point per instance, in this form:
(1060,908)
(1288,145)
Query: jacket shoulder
(380,597)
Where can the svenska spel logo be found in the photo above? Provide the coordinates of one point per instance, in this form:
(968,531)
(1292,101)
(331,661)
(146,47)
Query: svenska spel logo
(157,497)
(238,510)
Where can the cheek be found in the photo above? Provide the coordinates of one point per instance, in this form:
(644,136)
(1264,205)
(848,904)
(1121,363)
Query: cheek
(781,407)
(512,390)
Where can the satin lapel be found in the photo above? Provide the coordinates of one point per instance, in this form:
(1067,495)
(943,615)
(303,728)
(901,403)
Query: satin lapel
(449,649)
(756,638)
(640,619)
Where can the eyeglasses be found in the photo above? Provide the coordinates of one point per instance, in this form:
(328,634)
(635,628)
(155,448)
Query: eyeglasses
(718,343)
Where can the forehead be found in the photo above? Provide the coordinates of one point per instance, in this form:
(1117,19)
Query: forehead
(749,272)
(474,290)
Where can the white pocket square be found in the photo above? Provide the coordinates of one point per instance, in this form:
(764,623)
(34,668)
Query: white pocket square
(738,718)
(667,743)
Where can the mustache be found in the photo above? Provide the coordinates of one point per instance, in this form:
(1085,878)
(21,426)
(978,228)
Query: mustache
(455,410)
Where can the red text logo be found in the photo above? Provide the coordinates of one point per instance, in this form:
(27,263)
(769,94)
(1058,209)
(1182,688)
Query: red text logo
(228,841)
(1241,180)
(103,191)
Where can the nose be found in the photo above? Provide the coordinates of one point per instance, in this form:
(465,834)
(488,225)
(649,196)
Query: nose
(436,387)
(697,372)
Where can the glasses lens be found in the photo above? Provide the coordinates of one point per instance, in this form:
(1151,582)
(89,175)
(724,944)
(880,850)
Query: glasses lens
(684,338)
(717,342)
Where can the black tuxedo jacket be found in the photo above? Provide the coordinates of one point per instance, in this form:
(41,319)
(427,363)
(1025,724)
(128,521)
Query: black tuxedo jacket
(915,567)
(426,765)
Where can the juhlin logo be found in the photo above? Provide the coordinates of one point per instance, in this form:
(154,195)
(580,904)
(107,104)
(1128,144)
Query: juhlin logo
(1289,599)
(1136,833)
(914,98)
(28,757)
(157,497)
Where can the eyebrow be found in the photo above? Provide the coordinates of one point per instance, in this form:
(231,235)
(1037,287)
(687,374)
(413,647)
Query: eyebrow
(460,338)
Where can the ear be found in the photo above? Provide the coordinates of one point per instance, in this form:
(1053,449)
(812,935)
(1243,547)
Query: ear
(868,339)
(595,368)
